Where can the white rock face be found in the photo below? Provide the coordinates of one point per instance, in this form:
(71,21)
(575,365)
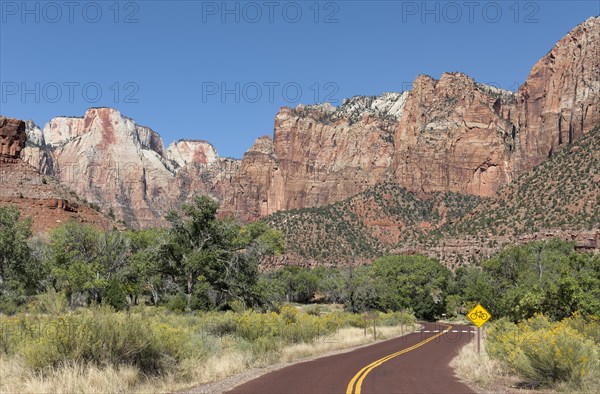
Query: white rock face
(34,152)
(184,152)
(386,105)
(62,129)
(506,95)
(150,139)
(34,134)
(110,160)
(107,159)
(390,103)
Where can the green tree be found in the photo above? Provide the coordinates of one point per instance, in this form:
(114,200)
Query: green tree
(474,286)
(416,282)
(331,284)
(300,284)
(541,277)
(115,296)
(145,273)
(217,258)
(19,273)
(84,259)
(358,289)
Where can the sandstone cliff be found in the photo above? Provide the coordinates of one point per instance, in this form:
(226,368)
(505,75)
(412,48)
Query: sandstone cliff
(558,199)
(123,167)
(455,135)
(446,135)
(451,134)
(560,100)
(12,139)
(319,154)
(36,195)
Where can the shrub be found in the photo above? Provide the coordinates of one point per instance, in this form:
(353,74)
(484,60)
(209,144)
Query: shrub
(586,325)
(397,318)
(314,310)
(115,296)
(98,336)
(8,307)
(157,341)
(51,302)
(544,352)
(177,303)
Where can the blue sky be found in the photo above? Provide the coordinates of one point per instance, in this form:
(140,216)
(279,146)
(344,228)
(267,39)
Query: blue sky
(219,70)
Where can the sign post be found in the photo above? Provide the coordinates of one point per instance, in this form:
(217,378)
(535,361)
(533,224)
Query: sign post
(371,316)
(479,316)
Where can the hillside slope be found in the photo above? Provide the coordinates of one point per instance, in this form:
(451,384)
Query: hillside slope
(367,225)
(559,198)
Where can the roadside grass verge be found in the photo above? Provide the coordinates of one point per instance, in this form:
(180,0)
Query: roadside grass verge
(480,370)
(536,354)
(154,350)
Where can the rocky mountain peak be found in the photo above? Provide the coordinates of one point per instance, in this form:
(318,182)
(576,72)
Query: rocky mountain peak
(560,100)
(184,152)
(262,145)
(103,125)
(387,106)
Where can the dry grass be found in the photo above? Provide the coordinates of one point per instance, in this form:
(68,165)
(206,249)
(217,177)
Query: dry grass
(478,369)
(73,378)
(342,339)
(485,375)
(15,376)
(79,378)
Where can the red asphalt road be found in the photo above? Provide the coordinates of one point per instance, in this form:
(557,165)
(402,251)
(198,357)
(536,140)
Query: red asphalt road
(424,369)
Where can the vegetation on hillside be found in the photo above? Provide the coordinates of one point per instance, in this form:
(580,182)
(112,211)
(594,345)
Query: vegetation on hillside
(194,293)
(367,225)
(561,193)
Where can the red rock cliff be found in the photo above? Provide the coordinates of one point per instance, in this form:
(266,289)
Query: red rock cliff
(12,138)
(451,134)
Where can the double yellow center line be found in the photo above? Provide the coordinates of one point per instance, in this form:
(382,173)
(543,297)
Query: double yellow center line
(355,385)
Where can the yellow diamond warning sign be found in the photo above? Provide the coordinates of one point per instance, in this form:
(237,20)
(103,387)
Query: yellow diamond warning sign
(479,315)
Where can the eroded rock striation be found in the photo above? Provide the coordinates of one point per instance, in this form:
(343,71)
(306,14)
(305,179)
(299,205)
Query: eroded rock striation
(560,100)
(455,136)
(185,152)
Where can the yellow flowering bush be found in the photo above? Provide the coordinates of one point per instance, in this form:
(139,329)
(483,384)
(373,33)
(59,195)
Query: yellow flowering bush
(156,340)
(544,352)
(98,336)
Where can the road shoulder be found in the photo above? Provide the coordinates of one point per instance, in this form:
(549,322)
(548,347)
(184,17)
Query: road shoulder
(233,381)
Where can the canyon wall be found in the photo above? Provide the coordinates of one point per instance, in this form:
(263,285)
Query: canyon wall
(37,196)
(12,139)
(451,134)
